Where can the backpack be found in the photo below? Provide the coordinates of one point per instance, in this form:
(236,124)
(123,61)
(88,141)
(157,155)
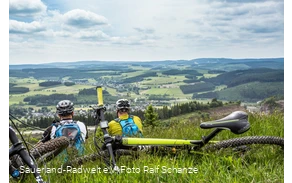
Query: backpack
(129,127)
(71,131)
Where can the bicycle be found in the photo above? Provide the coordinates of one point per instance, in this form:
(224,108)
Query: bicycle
(20,155)
(109,148)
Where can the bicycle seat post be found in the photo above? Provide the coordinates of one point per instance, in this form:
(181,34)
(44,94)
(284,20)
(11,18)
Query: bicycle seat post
(207,138)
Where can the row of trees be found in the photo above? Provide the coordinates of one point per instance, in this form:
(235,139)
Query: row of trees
(49,83)
(150,116)
(85,96)
(18,90)
(197,87)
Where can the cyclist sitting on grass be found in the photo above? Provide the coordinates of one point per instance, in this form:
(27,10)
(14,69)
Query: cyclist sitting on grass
(125,125)
(76,131)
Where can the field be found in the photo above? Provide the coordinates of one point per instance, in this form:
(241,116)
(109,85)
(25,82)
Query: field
(263,165)
(170,87)
(35,89)
(165,81)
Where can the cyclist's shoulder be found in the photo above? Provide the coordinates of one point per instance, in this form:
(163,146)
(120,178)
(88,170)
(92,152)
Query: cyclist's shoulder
(134,117)
(130,116)
(116,120)
(80,123)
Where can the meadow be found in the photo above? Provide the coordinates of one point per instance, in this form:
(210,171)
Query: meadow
(35,89)
(262,164)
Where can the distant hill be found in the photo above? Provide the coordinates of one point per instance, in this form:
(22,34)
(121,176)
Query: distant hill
(161,82)
(209,63)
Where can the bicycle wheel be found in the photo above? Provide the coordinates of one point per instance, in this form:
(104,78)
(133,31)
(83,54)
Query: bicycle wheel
(102,156)
(46,151)
(242,143)
(16,162)
(81,160)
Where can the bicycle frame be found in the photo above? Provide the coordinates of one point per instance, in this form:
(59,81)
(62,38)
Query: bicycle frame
(132,141)
(18,148)
(169,142)
(236,123)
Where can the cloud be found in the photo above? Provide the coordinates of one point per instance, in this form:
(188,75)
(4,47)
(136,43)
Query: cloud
(247,1)
(145,31)
(16,27)
(151,30)
(92,35)
(83,19)
(26,8)
(237,23)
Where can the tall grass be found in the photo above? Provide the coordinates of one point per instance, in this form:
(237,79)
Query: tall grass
(262,164)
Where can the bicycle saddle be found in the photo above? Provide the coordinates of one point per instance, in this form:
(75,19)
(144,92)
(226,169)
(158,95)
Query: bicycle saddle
(236,122)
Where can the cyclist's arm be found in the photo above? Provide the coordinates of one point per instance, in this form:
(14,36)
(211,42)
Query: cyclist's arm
(138,122)
(114,128)
(53,131)
(83,130)
(46,135)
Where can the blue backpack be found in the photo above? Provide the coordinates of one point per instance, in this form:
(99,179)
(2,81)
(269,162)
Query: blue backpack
(71,131)
(129,127)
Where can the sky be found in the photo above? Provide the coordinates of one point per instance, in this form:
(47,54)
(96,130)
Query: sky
(43,31)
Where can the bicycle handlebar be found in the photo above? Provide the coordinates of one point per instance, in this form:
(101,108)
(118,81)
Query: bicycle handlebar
(104,125)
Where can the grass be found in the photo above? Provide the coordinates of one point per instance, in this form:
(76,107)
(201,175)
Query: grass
(164,80)
(173,92)
(264,166)
(210,75)
(133,74)
(112,91)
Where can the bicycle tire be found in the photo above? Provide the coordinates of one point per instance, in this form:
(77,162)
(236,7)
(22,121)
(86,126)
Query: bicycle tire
(83,159)
(44,151)
(17,162)
(102,155)
(250,140)
(50,148)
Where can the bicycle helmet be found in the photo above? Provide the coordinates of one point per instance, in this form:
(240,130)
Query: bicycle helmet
(65,107)
(123,104)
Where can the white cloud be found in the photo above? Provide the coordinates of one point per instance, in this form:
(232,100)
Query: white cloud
(16,27)
(92,35)
(166,29)
(26,7)
(83,19)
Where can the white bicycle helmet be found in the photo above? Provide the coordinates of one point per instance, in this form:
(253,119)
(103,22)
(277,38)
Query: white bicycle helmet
(123,104)
(65,107)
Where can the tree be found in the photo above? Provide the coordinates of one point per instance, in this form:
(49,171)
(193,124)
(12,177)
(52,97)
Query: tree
(151,117)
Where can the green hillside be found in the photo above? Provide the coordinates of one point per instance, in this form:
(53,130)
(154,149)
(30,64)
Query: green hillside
(161,82)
